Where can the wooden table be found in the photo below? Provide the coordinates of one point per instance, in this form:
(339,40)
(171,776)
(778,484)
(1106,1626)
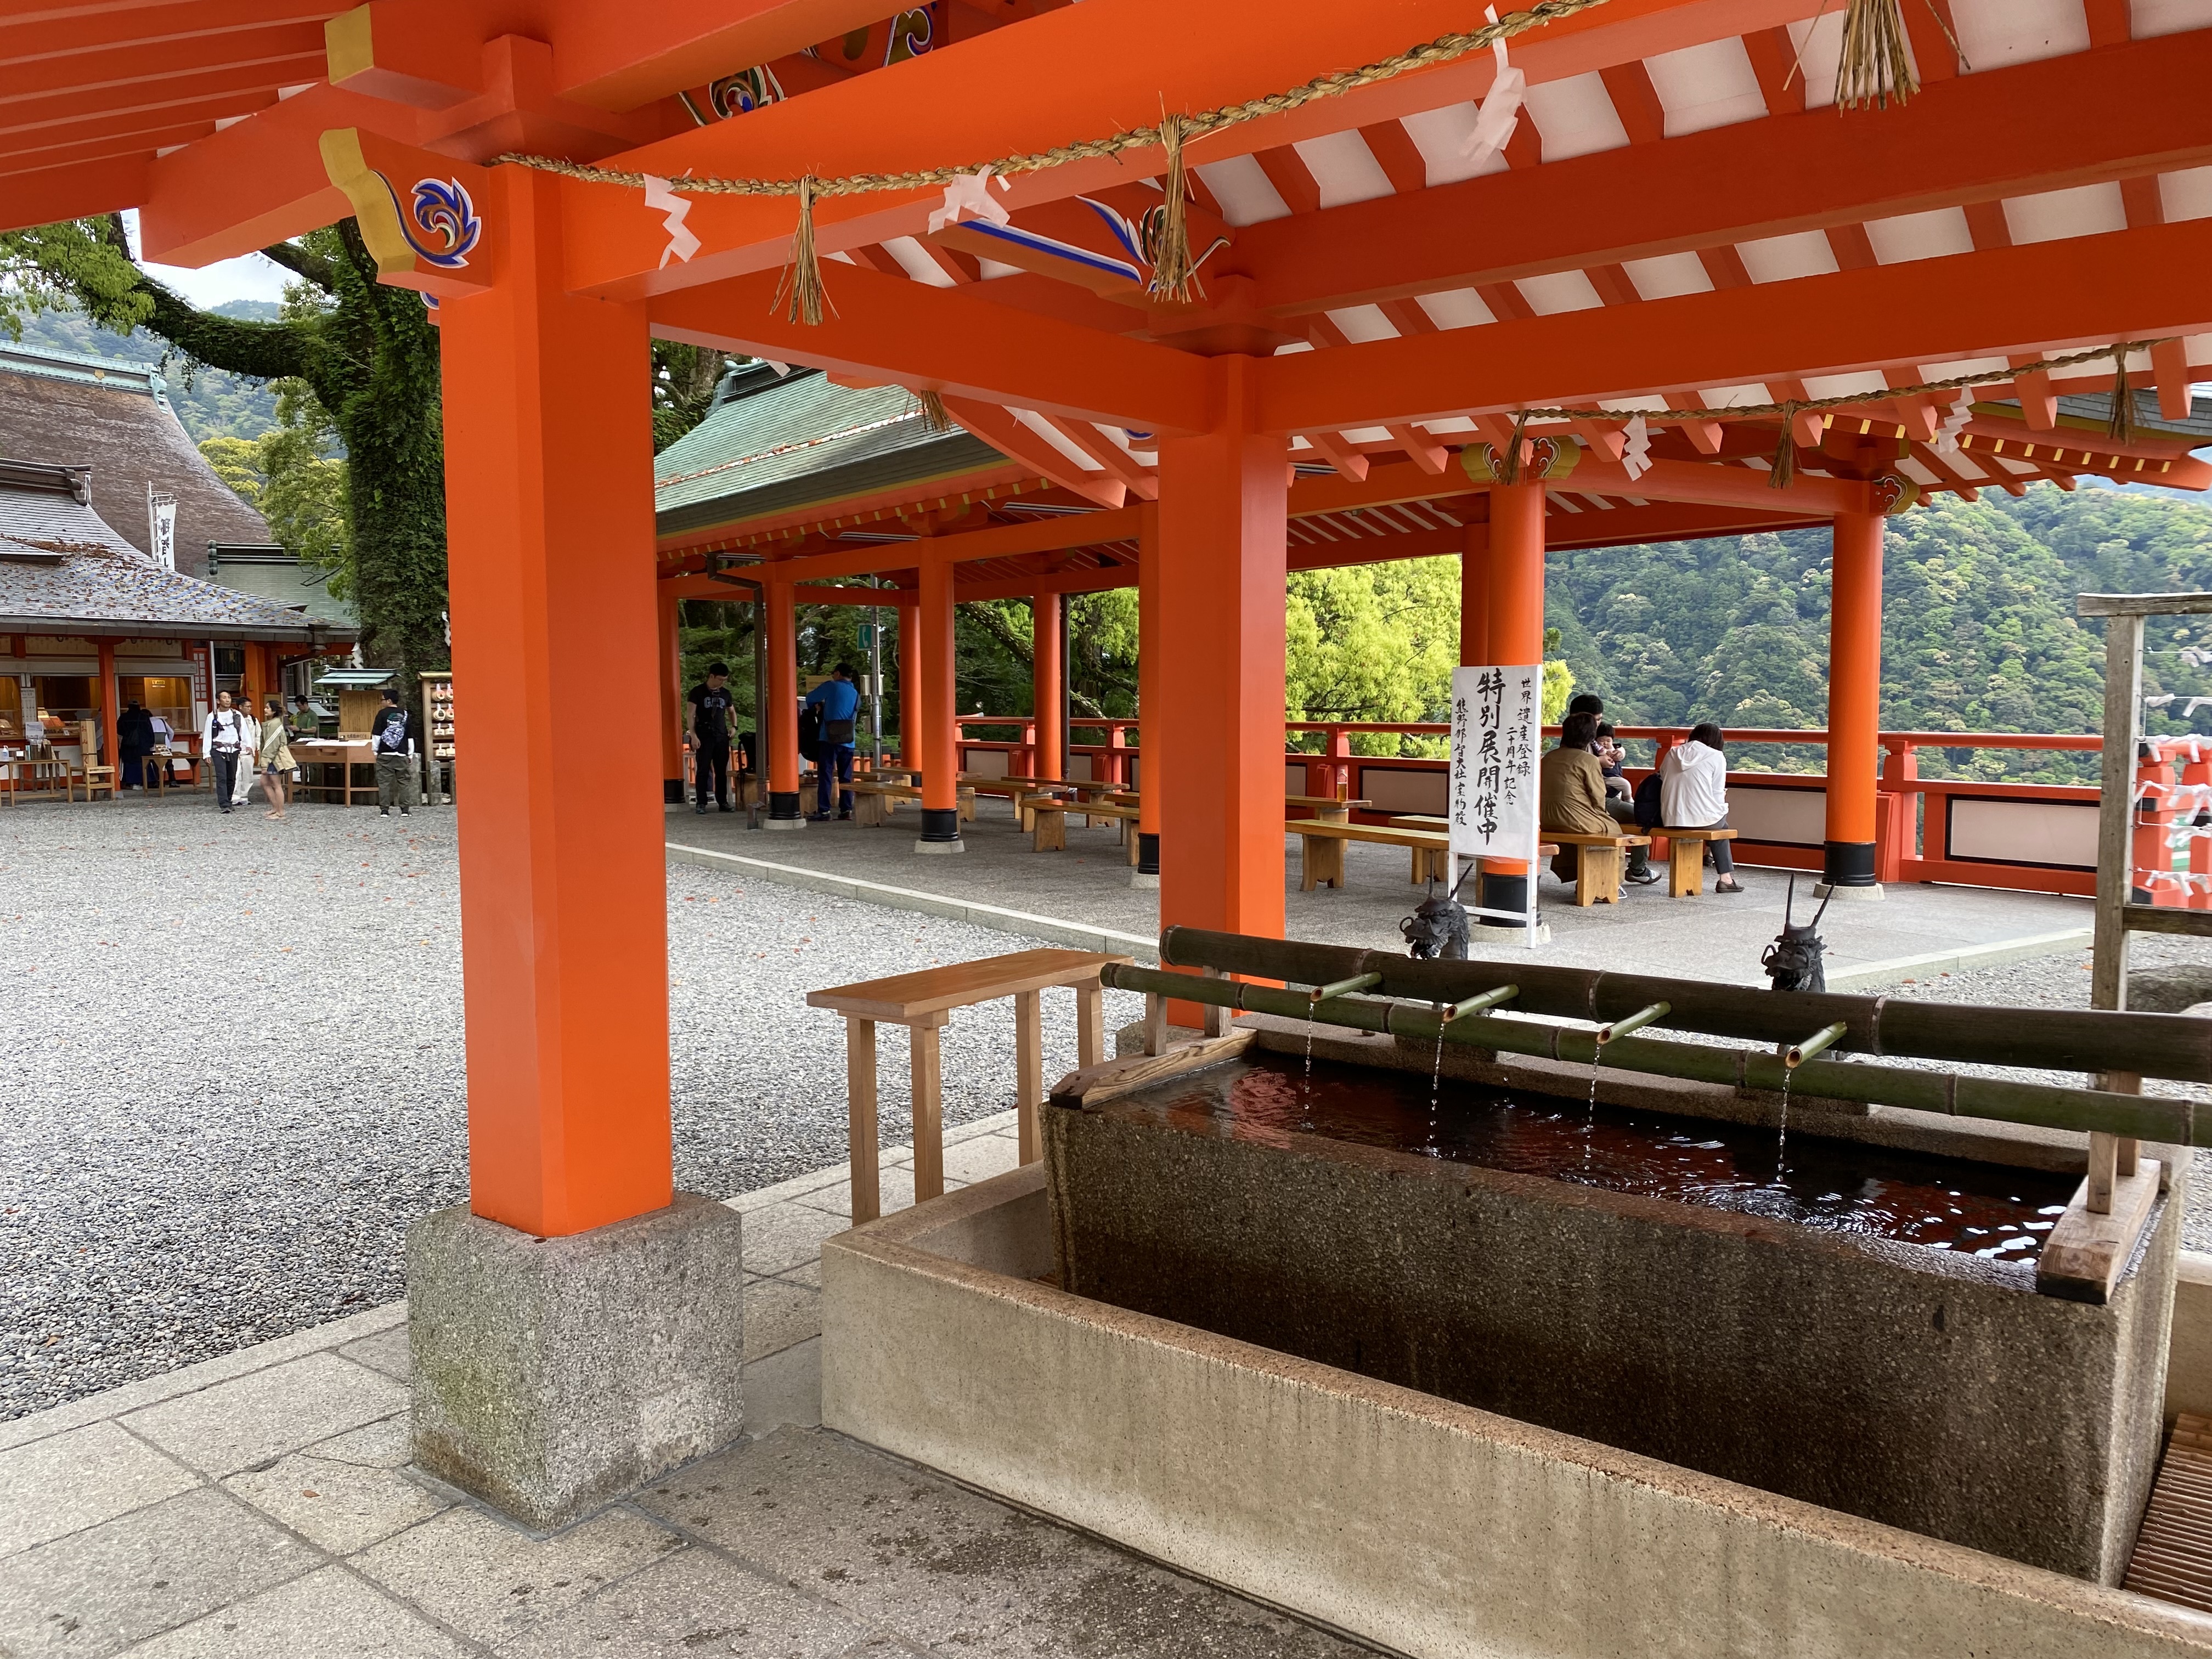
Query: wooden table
(342,753)
(923,1002)
(1328,809)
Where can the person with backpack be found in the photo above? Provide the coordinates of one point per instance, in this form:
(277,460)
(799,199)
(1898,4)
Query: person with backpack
(391,739)
(229,740)
(706,723)
(838,701)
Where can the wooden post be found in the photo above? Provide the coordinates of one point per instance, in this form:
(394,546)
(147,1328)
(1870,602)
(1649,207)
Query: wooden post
(1029,1070)
(672,701)
(1046,669)
(1155,1025)
(2104,1169)
(564,872)
(928,1111)
(778,724)
(860,1116)
(1854,702)
(2108,980)
(1089,1024)
(940,758)
(1217,1017)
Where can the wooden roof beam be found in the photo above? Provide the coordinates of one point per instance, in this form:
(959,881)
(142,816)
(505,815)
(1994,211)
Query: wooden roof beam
(1783,176)
(892,329)
(1006,92)
(2046,296)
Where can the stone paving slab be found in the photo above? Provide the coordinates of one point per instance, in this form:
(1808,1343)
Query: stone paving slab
(261,1506)
(1084,896)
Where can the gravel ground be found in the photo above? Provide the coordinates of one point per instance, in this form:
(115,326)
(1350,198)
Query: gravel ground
(234,1060)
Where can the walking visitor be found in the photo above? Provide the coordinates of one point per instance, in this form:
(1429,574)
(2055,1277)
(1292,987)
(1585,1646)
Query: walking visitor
(391,739)
(275,752)
(707,724)
(1693,795)
(229,740)
(838,700)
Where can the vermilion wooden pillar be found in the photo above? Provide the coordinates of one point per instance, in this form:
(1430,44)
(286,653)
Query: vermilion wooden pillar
(940,754)
(111,709)
(1515,635)
(912,718)
(1046,669)
(1150,653)
(1854,702)
(672,701)
(779,721)
(1213,741)
(1475,594)
(548,485)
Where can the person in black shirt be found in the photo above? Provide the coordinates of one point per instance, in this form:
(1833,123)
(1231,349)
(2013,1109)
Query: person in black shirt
(395,740)
(707,730)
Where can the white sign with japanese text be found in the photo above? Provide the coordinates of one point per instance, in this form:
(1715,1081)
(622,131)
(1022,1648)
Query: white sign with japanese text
(1496,716)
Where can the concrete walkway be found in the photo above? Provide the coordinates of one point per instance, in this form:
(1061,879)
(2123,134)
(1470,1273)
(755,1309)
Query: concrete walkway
(1083,897)
(260,1506)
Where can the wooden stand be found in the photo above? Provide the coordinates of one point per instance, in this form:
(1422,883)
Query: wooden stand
(1597,864)
(1685,859)
(923,1002)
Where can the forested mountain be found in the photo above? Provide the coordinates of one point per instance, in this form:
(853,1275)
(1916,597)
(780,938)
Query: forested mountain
(209,403)
(1978,629)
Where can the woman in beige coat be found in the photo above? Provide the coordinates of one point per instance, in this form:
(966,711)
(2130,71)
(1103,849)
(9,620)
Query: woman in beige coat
(274,757)
(1572,798)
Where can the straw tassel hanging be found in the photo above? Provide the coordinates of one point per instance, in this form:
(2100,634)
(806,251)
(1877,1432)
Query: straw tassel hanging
(2121,429)
(1783,471)
(1875,65)
(1510,472)
(801,293)
(1175,275)
(935,418)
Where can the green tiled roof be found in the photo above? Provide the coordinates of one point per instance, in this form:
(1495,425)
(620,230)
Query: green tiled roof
(772,445)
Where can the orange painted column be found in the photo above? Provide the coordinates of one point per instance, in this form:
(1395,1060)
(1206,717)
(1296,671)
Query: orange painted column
(1854,702)
(1150,712)
(1216,728)
(779,721)
(1514,630)
(1474,595)
(548,485)
(913,718)
(1046,671)
(672,701)
(940,747)
(104,692)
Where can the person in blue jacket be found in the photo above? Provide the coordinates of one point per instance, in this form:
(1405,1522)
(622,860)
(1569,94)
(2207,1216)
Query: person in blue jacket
(839,699)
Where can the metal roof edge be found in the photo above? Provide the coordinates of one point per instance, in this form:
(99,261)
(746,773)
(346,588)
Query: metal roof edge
(943,457)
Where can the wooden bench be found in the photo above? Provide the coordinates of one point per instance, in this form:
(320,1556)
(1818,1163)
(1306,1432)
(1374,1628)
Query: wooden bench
(922,1002)
(1327,808)
(1320,849)
(1597,864)
(872,802)
(1685,859)
(1052,816)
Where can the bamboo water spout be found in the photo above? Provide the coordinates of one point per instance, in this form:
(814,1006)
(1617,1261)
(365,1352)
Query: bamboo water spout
(2172,1046)
(1798,1053)
(2001,1099)
(1635,1022)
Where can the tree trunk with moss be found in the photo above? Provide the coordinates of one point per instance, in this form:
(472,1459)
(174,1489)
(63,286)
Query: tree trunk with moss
(371,359)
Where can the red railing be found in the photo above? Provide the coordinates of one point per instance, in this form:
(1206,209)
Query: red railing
(2031,837)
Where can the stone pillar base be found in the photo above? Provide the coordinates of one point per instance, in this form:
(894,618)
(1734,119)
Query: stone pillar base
(1826,889)
(554,1376)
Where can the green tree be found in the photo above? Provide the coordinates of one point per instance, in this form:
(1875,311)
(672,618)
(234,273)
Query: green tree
(287,475)
(367,354)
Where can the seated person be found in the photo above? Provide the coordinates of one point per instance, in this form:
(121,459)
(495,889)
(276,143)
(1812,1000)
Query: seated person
(1620,801)
(1693,795)
(1572,797)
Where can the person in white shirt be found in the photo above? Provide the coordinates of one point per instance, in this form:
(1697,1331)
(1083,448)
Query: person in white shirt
(229,740)
(1693,795)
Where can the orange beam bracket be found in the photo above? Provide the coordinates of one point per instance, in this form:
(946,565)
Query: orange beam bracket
(418,213)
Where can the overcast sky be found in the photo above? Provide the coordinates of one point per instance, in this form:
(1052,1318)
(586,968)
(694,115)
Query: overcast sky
(249,278)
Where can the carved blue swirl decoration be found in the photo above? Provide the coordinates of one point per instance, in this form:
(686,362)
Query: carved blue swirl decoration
(441,227)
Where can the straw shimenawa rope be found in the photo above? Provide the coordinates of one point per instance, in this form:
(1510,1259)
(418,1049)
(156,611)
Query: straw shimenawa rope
(1875,65)
(802,293)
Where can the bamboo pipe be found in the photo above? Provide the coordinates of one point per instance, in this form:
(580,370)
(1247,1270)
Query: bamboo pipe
(1345,986)
(1799,1053)
(2151,1045)
(2004,1100)
(1635,1022)
(1487,999)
